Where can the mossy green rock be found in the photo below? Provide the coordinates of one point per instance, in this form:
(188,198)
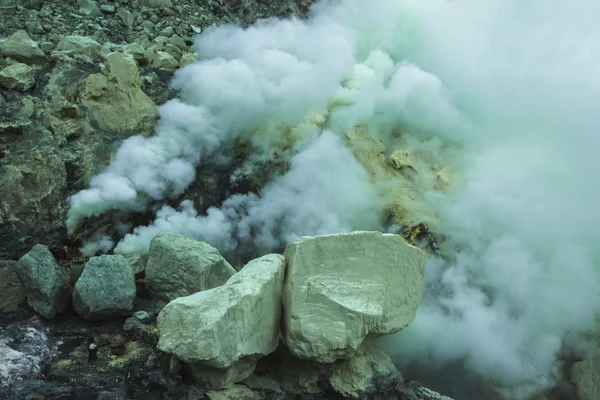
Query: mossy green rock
(46,284)
(106,289)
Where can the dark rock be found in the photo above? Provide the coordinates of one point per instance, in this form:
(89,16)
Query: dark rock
(106,289)
(46,284)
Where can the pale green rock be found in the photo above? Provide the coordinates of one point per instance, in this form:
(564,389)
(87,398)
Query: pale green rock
(179,266)
(105,289)
(18,76)
(114,101)
(233,322)
(21,47)
(164,60)
(46,284)
(369,372)
(341,289)
(75,44)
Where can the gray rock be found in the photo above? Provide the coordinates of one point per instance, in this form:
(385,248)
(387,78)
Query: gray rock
(369,372)
(46,283)
(163,60)
(106,288)
(12,292)
(586,377)
(156,3)
(176,40)
(76,44)
(179,266)
(22,48)
(126,17)
(46,47)
(143,316)
(137,262)
(107,8)
(167,31)
(89,8)
(18,76)
(187,59)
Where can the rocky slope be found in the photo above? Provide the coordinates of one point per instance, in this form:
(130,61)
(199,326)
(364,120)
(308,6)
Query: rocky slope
(76,78)
(65,105)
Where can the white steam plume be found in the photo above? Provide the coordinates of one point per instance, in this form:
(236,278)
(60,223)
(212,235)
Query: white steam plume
(324,191)
(509,89)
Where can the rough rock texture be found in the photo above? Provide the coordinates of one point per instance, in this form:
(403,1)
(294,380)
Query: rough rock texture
(18,76)
(114,100)
(12,293)
(222,326)
(586,376)
(21,47)
(214,378)
(105,289)
(179,266)
(46,284)
(343,288)
(368,372)
(237,392)
(22,353)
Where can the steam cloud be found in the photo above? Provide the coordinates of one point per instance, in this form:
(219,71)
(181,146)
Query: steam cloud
(505,92)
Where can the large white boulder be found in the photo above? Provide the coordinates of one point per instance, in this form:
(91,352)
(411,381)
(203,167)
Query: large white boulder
(229,326)
(343,288)
(179,266)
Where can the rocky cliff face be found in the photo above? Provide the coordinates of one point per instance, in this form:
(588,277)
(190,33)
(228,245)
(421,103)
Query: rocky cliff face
(79,77)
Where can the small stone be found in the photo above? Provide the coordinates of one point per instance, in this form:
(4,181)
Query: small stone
(79,45)
(163,60)
(444,178)
(12,293)
(126,17)
(187,59)
(21,47)
(107,8)
(156,3)
(18,77)
(89,8)
(168,31)
(147,25)
(176,40)
(401,159)
(143,316)
(196,29)
(46,47)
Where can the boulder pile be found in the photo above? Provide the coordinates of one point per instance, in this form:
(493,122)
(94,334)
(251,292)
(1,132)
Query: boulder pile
(323,300)
(319,305)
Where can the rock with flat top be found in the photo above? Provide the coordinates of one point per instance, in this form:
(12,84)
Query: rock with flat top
(341,289)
